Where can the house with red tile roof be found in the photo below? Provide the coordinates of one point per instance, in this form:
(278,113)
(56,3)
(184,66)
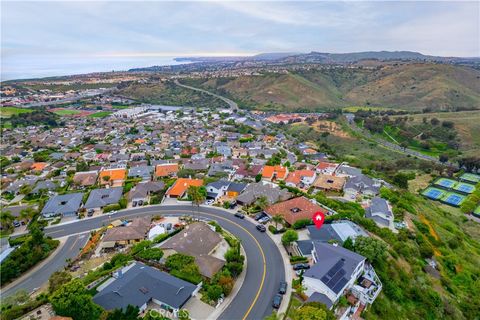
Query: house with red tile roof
(299,178)
(272,173)
(166,170)
(326,167)
(295,209)
(180,187)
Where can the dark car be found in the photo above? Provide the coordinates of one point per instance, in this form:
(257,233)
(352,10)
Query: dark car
(301,266)
(233,204)
(277,301)
(261,228)
(283,287)
(259,216)
(90,212)
(239,215)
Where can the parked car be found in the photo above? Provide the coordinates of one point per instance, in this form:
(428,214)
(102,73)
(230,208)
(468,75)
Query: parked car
(134,203)
(209,202)
(261,228)
(90,212)
(16,224)
(264,219)
(301,266)
(239,215)
(283,287)
(140,203)
(259,216)
(233,204)
(277,301)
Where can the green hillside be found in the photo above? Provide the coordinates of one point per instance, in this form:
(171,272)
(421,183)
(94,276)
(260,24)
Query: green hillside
(408,87)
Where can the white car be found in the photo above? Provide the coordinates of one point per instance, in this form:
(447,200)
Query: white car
(209,202)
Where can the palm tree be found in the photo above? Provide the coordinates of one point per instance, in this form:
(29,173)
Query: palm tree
(197,197)
(262,202)
(277,219)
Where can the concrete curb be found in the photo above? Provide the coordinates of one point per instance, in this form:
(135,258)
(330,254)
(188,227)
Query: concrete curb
(36,267)
(277,239)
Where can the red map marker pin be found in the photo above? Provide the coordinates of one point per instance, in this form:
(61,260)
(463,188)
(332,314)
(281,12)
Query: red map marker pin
(318,219)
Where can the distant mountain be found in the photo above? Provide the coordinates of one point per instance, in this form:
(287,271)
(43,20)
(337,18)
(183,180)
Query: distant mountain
(265,59)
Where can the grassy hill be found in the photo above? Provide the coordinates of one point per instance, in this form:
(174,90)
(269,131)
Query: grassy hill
(408,87)
(167,93)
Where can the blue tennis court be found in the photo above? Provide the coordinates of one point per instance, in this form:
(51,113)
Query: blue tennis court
(454,199)
(446,183)
(464,187)
(433,193)
(470,177)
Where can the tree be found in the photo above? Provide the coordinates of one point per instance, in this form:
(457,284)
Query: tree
(443,158)
(262,202)
(289,236)
(196,195)
(214,292)
(73,300)
(277,219)
(258,177)
(372,249)
(309,313)
(131,313)
(401,180)
(6,218)
(58,279)
(106,178)
(348,244)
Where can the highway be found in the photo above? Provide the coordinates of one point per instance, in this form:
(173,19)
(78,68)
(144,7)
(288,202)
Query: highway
(233,105)
(265,268)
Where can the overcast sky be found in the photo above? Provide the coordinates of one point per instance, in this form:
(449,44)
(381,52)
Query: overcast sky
(63,36)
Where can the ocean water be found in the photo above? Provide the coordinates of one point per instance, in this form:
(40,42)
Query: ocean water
(26,67)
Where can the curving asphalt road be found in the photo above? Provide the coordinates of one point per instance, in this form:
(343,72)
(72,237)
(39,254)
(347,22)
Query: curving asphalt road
(233,105)
(265,268)
(69,250)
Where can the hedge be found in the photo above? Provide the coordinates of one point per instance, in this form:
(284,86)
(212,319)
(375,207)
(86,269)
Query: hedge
(111,207)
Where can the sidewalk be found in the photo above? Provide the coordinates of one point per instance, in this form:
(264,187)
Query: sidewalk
(36,267)
(277,238)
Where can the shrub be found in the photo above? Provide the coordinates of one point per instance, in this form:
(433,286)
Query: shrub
(111,207)
(302,223)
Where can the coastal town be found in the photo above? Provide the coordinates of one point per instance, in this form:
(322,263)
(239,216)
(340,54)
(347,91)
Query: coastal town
(143,187)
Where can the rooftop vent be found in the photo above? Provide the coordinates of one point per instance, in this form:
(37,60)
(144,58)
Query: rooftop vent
(295,210)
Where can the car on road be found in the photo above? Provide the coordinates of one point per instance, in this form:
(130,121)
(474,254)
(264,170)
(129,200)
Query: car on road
(261,228)
(112,212)
(301,266)
(239,215)
(277,301)
(283,287)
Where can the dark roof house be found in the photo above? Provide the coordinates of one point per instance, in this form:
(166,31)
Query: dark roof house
(140,284)
(66,204)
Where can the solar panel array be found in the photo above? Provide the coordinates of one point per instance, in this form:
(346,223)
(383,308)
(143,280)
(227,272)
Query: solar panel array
(334,279)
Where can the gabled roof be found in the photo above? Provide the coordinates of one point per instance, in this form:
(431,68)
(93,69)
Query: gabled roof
(60,204)
(181,185)
(141,283)
(164,170)
(335,265)
(270,171)
(101,197)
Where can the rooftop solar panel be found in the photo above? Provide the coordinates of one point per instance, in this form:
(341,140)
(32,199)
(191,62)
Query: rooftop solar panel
(340,284)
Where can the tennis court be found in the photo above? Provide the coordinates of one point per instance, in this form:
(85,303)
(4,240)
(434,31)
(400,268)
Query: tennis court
(446,183)
(470,177)
(477,211)
(454,199)
(464,187)
(433,193)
